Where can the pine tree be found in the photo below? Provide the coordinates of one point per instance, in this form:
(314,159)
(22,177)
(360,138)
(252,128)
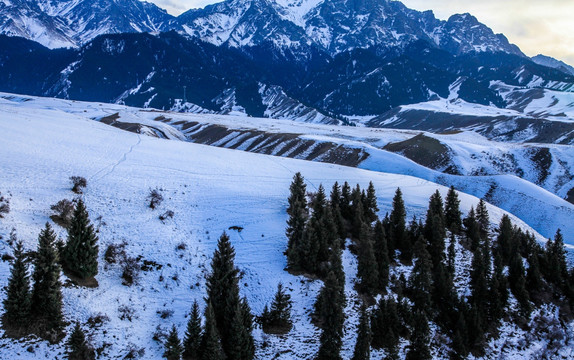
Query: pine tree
(472,229)
(420,338)
(451,258)
(385,325)
(452,212)
(381,255)
(363,345)
(459,339)
(78,348)
(345,203)
(192,339)
(435,228)
(557,271)
(371,204)
(46,292)
(18,296)
(248,350)
(172,345)
(333,319)
(420,280)
(498,291)
(240,344)
(336,211)
(482,218)
(295,231)
(367,263)
(517,281)
(279,317)
(505,239)
(223,290)
(210,342)
(80,255)
(397,223)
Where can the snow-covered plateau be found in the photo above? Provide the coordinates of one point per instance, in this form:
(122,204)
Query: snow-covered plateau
(209,189)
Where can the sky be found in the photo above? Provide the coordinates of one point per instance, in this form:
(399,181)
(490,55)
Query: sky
(536,26)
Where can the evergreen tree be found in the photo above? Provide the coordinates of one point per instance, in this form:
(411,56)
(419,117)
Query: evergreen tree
(452,213)
(505,240)
(371,204)
(517,282)
(363,345)
(397,223)
(345,203)
(472,229)
(420,338)
(459,339)
(223,294)
(18,296)
(482,218)
(435,228)
(332,320)
(192,339)
(381,255)
(386,325)
(420,281)
(78,348)
(210,342)
(336,211)
(557,271)
(451,258)
(80,255)
(498,291)
(278,319)
(367,263)
(533,277)
(172,346)
(240,342)
(46,292)
(295,231)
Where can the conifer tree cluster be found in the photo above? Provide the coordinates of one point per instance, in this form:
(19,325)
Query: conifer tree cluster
(37,310)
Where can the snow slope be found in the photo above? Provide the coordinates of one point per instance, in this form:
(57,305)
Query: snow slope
(208,188)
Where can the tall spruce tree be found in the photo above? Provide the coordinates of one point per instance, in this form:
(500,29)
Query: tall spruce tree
(345,203)
(332,320)
(420,338)
(363,345)
(452,213)
(517,281)
(279,317)
(336,210)
(248,350)
(505,241)
(298,214)
(18,296)
(483,218)
(192,340)
(397,223)
(370,204)
(497,291)
(172,345)
(472,229)
(46,292)
(80,255)
(385,325)
(211,348)
(381,255)
(435,229)
(420,280)
(367,263)
(556,269)
(78,347)
(223,293)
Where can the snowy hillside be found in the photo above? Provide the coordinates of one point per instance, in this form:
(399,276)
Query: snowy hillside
(208,188)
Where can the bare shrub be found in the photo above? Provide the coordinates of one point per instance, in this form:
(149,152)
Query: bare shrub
(181,246)
(4,206)
(63,212)
(164,314)
(155,198)
(115,253)
(79,183)
(97,320)
(131,270)
(166,215)
(126,313)
(134,352)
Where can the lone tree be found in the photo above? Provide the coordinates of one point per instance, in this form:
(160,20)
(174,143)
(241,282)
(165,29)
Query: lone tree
(78,347)
(80,255)
(192,339)
(278,319)
(172,346)
(18,296)
(46,292)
